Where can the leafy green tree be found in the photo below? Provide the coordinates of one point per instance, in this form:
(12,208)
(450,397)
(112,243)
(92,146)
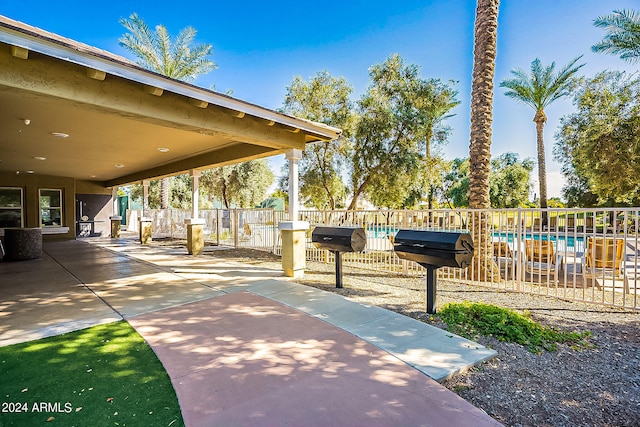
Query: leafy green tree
(456,183)
(622,35)
(441,99)
(243,185)
(323,99)
(179,59)
(538,89)
(396,119)
(399,190)
(509,182)
(179,195)
(600,142)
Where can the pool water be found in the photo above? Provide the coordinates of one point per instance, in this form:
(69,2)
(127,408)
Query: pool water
(563,243)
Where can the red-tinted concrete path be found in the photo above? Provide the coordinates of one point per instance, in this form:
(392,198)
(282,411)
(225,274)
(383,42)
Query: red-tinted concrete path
(245,360)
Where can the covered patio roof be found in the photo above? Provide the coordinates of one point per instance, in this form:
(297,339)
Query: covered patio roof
(69,109)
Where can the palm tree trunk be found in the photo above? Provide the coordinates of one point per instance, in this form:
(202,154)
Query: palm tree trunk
(484,56)
(540,118)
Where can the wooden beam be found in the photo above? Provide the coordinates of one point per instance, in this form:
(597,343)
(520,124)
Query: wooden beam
(96,74)
(227,155)
(19,52)
(198,103)
(152,90)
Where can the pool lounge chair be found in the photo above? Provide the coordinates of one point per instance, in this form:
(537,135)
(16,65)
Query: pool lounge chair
(505,259)
(603,260)
(541,259)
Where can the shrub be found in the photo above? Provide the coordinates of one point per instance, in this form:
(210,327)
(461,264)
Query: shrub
(473,319)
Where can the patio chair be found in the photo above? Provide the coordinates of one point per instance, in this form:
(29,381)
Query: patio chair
(603,259)
(505,259)
(540,259)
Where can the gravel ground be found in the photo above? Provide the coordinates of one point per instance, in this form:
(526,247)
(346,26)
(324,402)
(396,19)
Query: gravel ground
(598,386)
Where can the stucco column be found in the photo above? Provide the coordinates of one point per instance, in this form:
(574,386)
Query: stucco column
(115,218)
(293,156)
(294,247)
(145,196)
(144,226)
(195,225)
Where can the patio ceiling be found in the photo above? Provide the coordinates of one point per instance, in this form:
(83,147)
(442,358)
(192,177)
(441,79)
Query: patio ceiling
(120,118)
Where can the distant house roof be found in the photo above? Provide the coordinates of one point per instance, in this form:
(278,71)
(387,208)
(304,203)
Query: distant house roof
(124,123)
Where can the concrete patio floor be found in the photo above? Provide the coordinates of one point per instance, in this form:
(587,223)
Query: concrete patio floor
(242,344)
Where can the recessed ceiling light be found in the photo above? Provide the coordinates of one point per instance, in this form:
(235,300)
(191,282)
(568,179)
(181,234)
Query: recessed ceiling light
(119,165)
(29,171)
(60,134)
(163,150)
(40,158)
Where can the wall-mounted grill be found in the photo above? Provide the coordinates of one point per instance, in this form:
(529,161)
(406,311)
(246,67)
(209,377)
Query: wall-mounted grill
(339,240)
(432,250)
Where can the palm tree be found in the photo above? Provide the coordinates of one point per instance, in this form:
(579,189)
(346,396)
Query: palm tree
(177,59)
(539,89)
(484,61)
(623,35)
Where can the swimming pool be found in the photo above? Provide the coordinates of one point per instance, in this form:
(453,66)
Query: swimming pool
(563,243)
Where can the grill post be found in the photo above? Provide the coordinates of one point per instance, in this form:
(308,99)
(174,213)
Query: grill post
(432,279)
(338,256)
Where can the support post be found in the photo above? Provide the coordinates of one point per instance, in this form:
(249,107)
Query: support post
(293,156)
(195,225)
(145,197)
(338,257)
(115,218)
(432,278)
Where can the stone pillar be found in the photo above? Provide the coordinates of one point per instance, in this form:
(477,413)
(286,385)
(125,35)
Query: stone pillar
(195,235)
(146,231)
(293,247)
(293,156)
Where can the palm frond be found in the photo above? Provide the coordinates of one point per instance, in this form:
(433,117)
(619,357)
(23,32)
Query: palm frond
(622,35)
(542,85)
(157,52)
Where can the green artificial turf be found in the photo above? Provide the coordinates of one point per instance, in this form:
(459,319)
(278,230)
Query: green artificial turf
(101,376)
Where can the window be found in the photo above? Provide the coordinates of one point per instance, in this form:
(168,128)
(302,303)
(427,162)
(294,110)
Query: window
(10,207)
(50,208)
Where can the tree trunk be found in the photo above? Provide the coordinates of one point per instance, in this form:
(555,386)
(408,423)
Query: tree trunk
(484,56)
(165,183)
(540,119)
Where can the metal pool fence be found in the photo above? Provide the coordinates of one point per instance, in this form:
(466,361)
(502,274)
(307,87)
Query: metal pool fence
(588,255)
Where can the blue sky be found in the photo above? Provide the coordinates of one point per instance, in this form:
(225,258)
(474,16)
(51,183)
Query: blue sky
(259,46)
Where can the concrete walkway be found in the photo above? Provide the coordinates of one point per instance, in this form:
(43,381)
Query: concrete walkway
(242,345)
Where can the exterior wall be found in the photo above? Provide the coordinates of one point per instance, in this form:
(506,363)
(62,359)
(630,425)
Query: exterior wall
(32,183)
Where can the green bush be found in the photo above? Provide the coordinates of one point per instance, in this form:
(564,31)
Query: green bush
(473,319)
